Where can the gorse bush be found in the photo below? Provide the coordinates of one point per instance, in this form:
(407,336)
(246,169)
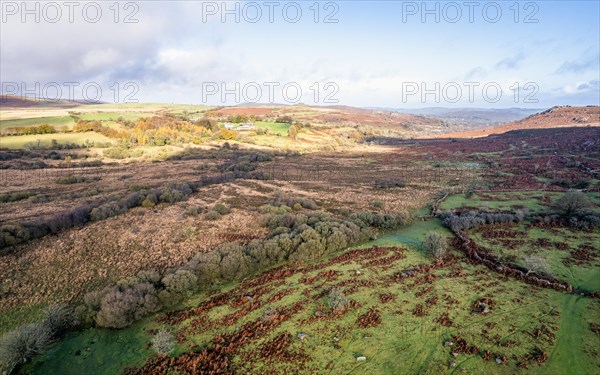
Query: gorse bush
(221,209)
(12,234)
(70,179)
(291,201)
(212,215)
(16,196)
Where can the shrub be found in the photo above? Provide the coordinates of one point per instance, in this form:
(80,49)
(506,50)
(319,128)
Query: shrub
(93,299)
(21,344)
(212,215)
(147,203)
(149,276)
(106,211)
(336,299)
(221,209)
(122,306)
(234,263)
(116,153)
(435,244)
(163,342)
(180,282)
(13,234)
(193,211)
(571,184)
(206,266)
(378,204)
(284,119)
(389,184)
(291,201)
(59,319)
(13,197)
(170,195)
(536,264)
(573,203)
(67,180)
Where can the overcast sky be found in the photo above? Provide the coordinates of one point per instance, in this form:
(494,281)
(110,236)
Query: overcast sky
(358,53)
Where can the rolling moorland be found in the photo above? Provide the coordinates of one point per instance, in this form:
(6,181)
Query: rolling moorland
(152,238)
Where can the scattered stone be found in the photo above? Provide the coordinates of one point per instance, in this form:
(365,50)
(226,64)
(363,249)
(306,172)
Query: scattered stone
(301,336)
(452,364)
(361,358)
(499,360)
(454,354)
(318,313)
(448,343)
(249,297)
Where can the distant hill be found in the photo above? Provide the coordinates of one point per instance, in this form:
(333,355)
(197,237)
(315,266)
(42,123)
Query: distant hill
(340,116)
(473,117)
(16,102)
(555,117)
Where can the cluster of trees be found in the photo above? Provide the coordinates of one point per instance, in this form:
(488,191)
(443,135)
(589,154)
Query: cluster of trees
(154,131)
(163,130)
(96,126)
(55,145)
(472,219)
(304,236)
(245,162)
(40,129)
(284,119)
(573,209)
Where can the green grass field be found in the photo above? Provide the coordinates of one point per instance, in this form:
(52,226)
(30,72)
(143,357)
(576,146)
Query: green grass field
(535,201)
(274,127)
(113,116)
(585,276)
(402,343)
(19,142)
(56,121)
